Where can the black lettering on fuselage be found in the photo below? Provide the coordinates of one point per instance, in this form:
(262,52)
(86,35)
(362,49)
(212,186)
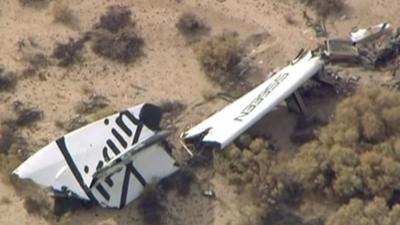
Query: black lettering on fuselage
(260,98)
(126,123)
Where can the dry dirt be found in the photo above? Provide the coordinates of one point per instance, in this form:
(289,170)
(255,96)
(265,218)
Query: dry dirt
(168,71)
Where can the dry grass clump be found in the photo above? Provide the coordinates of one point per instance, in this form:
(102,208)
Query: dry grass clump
(357,154)
(221,58)
(358,212)
(192,27)
(69,53)
(115,37)
(8,80)
(92,104)
(325,8)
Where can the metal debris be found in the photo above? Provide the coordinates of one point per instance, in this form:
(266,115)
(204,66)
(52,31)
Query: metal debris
(371,33)
(341,50)
(209,193)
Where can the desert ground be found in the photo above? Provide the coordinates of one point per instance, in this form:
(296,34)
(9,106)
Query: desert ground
(168,71)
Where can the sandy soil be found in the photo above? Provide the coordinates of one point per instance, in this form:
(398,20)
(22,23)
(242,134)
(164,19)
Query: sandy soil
(169,71)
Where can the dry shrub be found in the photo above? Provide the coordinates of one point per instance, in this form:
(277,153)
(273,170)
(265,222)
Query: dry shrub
(115,38)
(116,18)
(36,205)
(221,58)
(255,169)
(69,53)
(358,152)
(150,205)
(6,137)
(62,13)
(181,181)
(124,46)
(37,201)
(358,212)
(325,8)
(171,110)
(8,80)
(281,216)
(192,27)
(35,60)
(92,104)
(27,114)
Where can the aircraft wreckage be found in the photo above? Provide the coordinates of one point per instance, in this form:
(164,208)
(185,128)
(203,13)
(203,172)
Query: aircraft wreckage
(109,162)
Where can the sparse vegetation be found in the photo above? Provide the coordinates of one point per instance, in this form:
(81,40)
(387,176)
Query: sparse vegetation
(69,53)
(221,58)
(8,80)
(192,27)
(325,8)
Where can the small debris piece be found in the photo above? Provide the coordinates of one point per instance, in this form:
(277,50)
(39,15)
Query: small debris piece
(209,193)
(320,29)
(342,84)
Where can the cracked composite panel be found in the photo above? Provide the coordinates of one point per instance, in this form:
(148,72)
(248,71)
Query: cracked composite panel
(108,162)
(226,125)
